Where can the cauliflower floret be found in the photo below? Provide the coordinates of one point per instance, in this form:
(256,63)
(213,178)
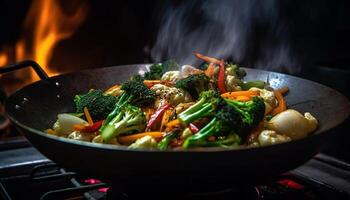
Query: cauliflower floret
(268,96)
(293,124)
(171,76)
(98,139)
(270,137)
(172,95)
(76,135)
(144,142)
(231,83)
(187,70)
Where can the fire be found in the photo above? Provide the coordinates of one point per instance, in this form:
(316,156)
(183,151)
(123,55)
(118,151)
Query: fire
(45,25)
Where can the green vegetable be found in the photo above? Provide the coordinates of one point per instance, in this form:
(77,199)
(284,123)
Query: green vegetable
(252,112)
(203,66)
(231,140)
(128,120)
(164,143)
(226,120)
(157,70)
(234,70)
(136,93)
(206,106)
(250,84)
(194,84)
(99,105)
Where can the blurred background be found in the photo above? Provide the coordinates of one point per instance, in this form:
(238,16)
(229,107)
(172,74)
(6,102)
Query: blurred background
(309,39)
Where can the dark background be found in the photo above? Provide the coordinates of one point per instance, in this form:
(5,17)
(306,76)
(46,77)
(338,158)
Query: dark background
(123,32)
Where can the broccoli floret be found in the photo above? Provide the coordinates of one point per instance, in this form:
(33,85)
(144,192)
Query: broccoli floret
(231,140)
(137,77)
(226,120)
(208,103)
(129,119)
(157,70)
(136,93)
(236,71)
(164,143)
(194,84)
(252,112)
(98,104)
(155,73)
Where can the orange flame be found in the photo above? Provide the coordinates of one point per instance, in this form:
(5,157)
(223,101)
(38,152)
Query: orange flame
(3,59)
(46,24)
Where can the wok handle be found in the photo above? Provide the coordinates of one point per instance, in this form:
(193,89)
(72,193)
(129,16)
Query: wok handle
(23,64)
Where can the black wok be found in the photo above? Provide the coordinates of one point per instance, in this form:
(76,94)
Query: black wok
(35,107)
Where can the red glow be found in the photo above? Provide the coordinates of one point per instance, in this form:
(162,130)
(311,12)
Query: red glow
(91,181)
(291,184)
(103,189)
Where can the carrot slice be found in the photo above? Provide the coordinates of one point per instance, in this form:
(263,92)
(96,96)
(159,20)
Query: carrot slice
(78,127)
(173,123)
(131,138)
(88,116)
(210,70)
(240,93)
(112,88)
(283,90)
(243,98)
(50,131)
(282,106)
(165,118)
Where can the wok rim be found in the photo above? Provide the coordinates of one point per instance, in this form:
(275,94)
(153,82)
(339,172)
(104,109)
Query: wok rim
(192,150)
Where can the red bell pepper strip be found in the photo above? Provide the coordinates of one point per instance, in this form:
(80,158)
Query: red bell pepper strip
(157,115)
(221,78)
(193,128)
(92,128)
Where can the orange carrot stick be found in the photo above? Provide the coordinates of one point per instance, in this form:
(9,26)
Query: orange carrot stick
(112,88)
(240,93)
(88,116)
(210,70)
(282,106)
(131,138)
(207,58)
(283,90)
(243,98)
(173,123)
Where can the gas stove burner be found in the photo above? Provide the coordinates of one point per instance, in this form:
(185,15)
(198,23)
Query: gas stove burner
(48,181)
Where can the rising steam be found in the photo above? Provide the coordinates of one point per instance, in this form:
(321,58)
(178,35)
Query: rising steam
(250,32)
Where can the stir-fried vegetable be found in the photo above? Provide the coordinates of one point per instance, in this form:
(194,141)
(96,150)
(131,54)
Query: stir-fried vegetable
(208,103)
(96,102)
(129,119)
(173,107)
(194,84)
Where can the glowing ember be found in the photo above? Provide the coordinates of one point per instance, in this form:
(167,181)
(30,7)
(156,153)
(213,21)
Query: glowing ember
(3,59)
(103,189)
(91,181)
(45,25)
